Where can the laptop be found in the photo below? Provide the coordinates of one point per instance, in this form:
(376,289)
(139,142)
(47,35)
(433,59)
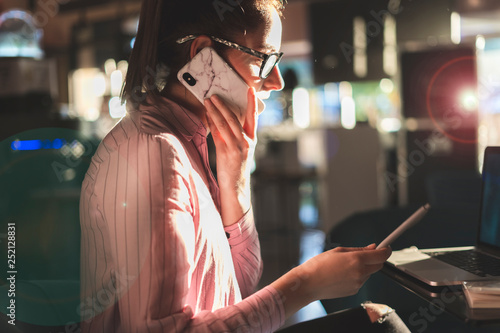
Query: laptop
(452,266)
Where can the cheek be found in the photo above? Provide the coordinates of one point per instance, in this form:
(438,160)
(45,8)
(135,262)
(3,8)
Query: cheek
(254,71)
(249,71)
(250,74)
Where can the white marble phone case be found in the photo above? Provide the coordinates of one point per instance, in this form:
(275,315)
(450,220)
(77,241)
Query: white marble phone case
(208,74)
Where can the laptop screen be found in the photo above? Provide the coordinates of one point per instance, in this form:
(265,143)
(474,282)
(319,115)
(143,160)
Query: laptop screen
(489,232)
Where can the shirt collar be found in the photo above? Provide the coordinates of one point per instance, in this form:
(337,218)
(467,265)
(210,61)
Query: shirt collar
(182,119)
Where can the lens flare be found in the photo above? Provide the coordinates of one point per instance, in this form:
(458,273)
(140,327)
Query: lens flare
(468,101)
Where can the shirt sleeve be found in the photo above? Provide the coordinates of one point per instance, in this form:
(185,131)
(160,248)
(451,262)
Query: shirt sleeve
(245,249)
(138,240)
(262,311)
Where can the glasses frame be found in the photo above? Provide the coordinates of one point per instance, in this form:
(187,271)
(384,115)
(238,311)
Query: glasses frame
(264,56)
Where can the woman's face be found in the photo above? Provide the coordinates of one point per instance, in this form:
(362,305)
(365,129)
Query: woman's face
(266,39)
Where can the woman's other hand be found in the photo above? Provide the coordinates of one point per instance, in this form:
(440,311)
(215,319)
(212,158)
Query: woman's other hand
(336,273)
(235,145)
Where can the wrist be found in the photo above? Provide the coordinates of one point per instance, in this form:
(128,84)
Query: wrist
(233,207)
(305,286)
(294,289)
(235,202)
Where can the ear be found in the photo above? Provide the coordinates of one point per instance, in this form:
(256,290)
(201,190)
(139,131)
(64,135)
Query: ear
(199,43)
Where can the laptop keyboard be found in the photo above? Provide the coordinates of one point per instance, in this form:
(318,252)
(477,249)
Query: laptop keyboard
(471,261)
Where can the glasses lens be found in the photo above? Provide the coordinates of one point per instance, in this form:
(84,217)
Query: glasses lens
(268,65)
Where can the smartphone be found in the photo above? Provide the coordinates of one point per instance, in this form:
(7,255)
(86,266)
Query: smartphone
(207,74)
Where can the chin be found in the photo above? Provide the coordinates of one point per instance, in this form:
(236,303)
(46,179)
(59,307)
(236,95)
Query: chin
(260,105)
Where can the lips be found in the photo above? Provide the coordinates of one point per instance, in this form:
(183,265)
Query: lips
(263,94)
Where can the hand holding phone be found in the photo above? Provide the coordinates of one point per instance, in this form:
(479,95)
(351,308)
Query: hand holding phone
(208,74)
(411,221)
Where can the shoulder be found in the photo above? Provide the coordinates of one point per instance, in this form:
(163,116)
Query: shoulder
(143,130)
(128,140)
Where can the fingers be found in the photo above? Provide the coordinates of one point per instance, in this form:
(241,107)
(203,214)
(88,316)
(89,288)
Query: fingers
(250,123)
(351,249)
(222,122)
(213,129)
(375,256)
(367,269)
(347,249)
(226,120)
(367,255)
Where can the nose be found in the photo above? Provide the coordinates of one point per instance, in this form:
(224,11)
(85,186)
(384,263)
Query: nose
(274,81)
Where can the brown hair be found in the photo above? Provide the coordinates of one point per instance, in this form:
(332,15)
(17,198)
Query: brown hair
(162,22)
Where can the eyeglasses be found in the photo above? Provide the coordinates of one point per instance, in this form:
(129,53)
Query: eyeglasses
(269,61)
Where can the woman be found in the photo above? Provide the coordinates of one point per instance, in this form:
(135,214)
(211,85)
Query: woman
(166,247)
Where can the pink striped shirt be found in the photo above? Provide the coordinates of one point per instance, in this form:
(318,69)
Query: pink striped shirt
(155,256)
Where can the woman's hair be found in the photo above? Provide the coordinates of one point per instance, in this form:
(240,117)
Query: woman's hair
(162,22)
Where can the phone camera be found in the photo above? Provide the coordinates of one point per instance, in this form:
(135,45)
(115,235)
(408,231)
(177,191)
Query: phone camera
(189,79)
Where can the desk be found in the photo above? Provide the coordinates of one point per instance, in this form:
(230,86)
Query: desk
(445,299)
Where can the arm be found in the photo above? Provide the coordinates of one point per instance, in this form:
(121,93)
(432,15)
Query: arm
(336,273)
(245,249)
(140,243)
(235,144)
